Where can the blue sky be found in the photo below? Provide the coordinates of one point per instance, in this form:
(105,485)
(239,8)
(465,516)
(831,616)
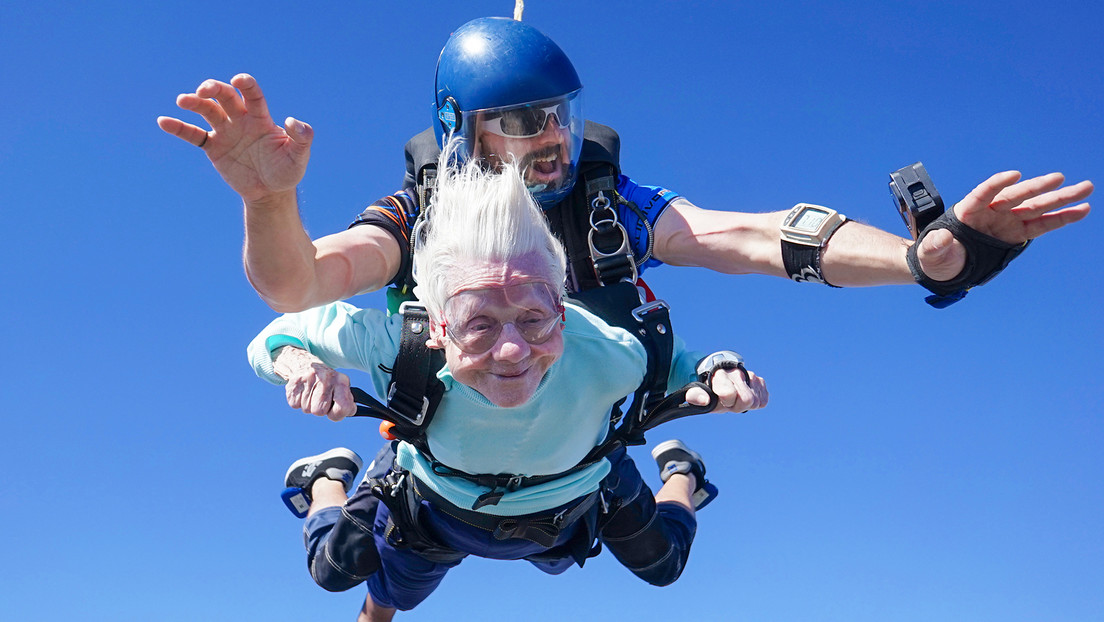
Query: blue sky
(913,464)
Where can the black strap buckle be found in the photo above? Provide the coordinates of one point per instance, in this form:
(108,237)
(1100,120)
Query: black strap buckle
(642,312)
(407,406)
(610,251)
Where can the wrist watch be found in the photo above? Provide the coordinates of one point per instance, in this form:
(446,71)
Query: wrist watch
(805,230)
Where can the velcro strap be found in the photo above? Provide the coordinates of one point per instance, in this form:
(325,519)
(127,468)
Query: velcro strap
(986,257)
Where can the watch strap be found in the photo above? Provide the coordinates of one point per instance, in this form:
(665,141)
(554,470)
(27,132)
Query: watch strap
(802,263)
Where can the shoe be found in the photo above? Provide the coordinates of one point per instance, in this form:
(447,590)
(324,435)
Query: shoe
(340,465)
(674,456)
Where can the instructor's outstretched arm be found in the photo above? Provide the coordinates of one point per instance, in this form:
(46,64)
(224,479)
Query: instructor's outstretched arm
(264,162)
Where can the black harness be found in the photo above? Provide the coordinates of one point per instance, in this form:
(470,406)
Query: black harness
(602,276)
(597,244)
(415,391)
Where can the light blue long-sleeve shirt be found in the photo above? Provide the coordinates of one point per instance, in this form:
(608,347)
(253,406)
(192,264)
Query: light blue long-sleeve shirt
(566,417)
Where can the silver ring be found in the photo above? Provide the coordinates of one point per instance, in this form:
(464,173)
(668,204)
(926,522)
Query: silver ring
(206,135)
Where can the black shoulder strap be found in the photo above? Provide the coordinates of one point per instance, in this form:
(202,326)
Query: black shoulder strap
(586,221)
(414,391)
(421,153)
(601,144)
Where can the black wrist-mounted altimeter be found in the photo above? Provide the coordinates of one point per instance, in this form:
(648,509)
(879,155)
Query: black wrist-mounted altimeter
(922,209)
(918,201)
(805,231)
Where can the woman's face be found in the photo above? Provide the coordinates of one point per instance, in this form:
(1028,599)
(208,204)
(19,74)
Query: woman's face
(506,309)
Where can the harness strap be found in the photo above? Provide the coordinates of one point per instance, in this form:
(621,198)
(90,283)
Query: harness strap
(426,184)
(414,390)
(402,494)
(404,528)
(542,527)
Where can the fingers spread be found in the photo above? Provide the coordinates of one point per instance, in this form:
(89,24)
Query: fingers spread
(1054,220)
(984,194)
(211,111)
(1018,193)
(1054,199)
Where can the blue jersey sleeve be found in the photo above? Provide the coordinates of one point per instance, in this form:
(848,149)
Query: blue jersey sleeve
(650,203)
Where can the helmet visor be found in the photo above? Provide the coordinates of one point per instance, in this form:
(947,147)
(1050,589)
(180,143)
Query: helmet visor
(528,121)
(544,137)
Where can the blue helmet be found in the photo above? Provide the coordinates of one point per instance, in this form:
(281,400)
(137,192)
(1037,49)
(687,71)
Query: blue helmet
(500,76)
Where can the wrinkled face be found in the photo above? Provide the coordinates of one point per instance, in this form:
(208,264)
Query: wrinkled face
(544,159)
(501,329)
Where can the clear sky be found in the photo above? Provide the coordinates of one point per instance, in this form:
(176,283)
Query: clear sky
(913,464)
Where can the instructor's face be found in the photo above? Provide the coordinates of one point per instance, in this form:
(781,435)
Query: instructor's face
(543,159)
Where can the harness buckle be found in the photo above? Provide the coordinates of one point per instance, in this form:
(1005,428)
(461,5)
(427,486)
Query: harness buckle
(600,201)
(558,519)
(619,261)
(413,305)
(643,414)
(618,264)
(396,488)
(404,407)
(650,307)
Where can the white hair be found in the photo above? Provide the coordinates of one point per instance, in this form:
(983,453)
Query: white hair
(478,216)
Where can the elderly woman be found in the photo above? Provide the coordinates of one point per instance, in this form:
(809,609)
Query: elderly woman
(529,385)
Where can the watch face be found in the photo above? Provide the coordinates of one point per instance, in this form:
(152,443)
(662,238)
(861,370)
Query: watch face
(809,219)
